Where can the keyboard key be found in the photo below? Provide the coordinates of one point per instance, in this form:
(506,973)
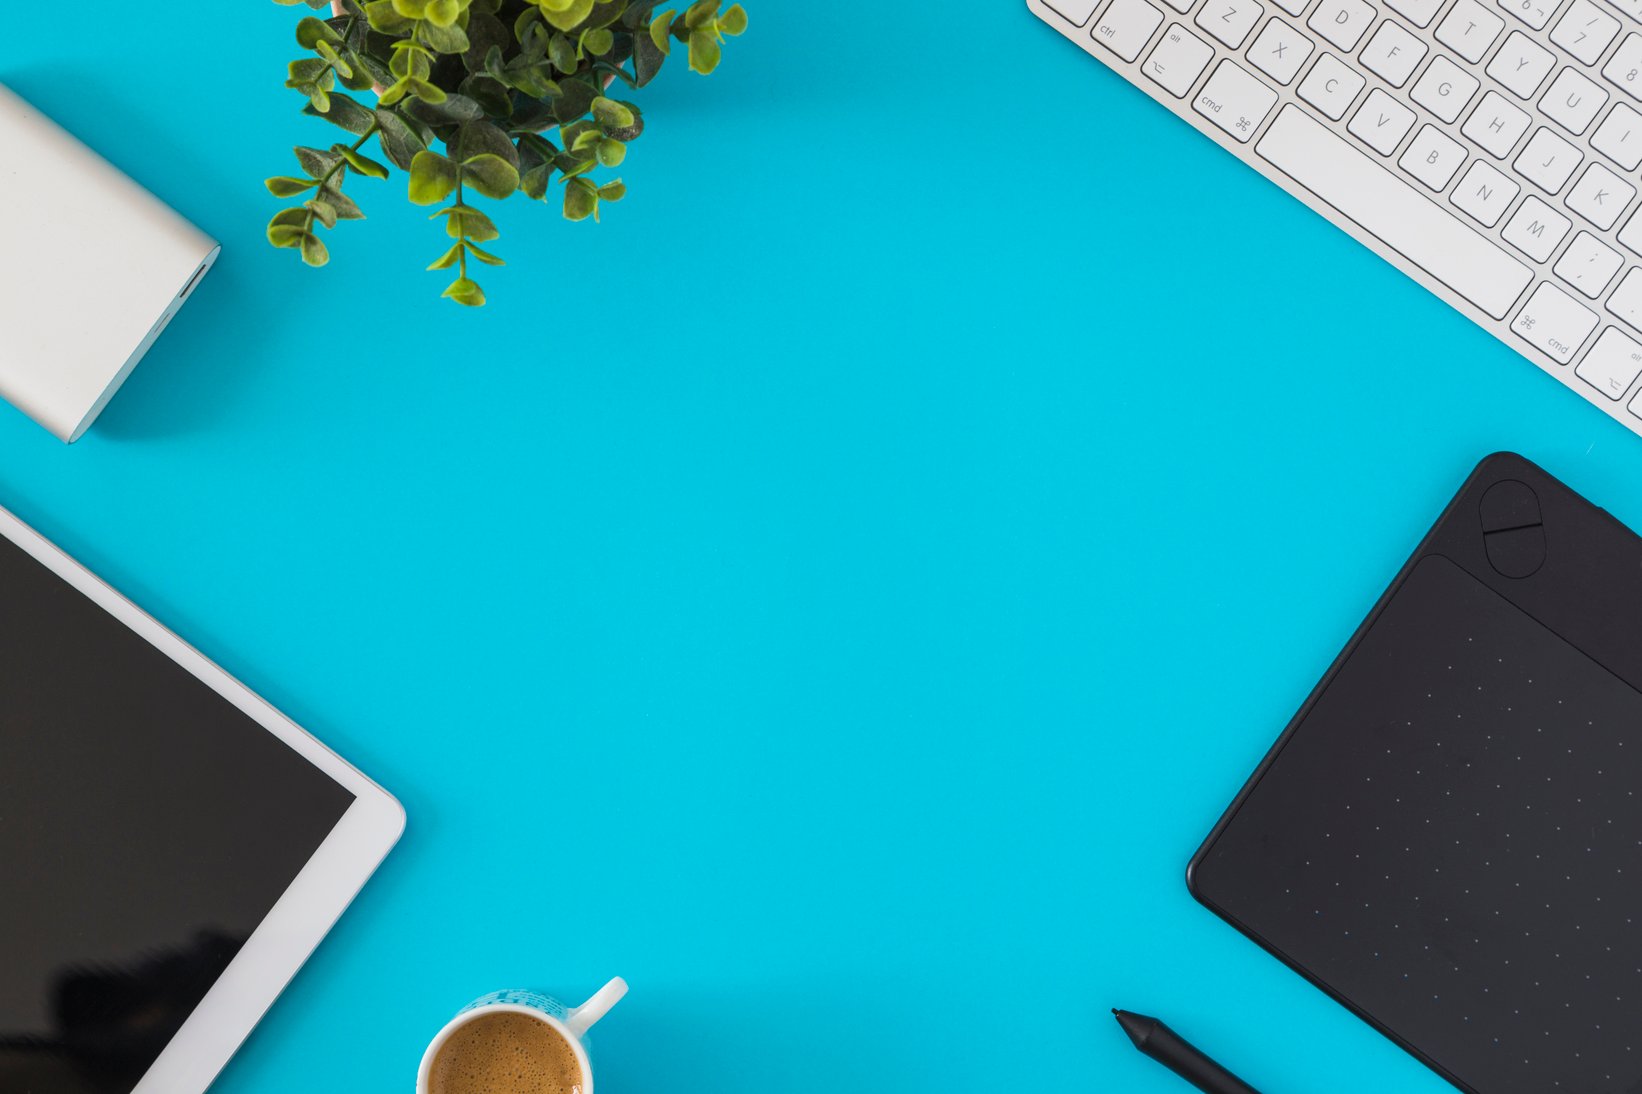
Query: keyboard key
(1392,53)
(1485,194)
(1230,20)
(1619,137)
(1395,212)
(1280,51)
(1600,196)
(1626,301)
(1548,160)
(1445,89)
(1381,122)
(1631,234)
(1554,322)
(1342,21)
(1182,6)
(1613,364)
(1496,125)
(1588,264)
(1294,7)
(1235,101)
(1521,64)
(1331,85)
(1585,31)
(1178,60)
(1418,12)
(1572,101)
(1633,8)
(1432,157)
(1636,407)
(1076,12)
(1469,29)
(1535,229)
(1536,13)
(1126,27)
(1624,68)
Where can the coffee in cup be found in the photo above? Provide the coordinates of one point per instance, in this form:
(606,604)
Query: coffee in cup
(506,1053)
(516,1042)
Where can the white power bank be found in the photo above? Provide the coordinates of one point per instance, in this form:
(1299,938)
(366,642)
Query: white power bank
(94,268)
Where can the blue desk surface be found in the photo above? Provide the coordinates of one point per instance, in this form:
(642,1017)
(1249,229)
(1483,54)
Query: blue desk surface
(849,639)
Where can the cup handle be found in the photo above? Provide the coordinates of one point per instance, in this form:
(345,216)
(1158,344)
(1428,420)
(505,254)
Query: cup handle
(582,1018)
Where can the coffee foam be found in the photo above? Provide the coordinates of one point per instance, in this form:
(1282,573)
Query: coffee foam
(506,1053)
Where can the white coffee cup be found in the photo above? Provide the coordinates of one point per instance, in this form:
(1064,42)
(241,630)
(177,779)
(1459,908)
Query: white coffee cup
(571,1023)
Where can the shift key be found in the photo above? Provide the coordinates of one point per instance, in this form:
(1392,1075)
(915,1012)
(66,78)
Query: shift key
(1235,101)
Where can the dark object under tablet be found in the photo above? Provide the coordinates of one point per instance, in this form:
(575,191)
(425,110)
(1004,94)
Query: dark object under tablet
(1448,836)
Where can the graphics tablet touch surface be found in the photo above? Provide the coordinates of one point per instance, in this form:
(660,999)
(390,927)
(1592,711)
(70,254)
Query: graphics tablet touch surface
(1448,837)
(171,848)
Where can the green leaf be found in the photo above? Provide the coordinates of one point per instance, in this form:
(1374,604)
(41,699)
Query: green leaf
(428,92)
(362,164)
(659,28)
(611,153)
(614,190)
(534,181)
(480,137)
(565,14)
(318,164)
(484,256)
(491,175)
(305,71)
(448,259)
(324,210)
(469,223)
(588,138)
(312,30)
(700,13)
(345,112)
(734,20)
(399,141)
(443,14)
(610,114)
(598,41)
(563,54)
(314,252)
(382,17)
(704,51)
(288,227)
(325,50)
(345,207)
(647,59)
(581,200)
(443,39)
(283,186)
(432,178)
(466,292)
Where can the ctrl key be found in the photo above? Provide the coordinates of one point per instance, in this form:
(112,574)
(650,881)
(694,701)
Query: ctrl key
(1554,323)
(1235,101)
(1126,27)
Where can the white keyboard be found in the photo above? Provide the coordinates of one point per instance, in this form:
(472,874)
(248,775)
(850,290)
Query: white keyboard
(1487,148)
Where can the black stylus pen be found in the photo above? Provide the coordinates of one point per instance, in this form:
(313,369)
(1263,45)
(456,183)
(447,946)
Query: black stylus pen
(1172,1051)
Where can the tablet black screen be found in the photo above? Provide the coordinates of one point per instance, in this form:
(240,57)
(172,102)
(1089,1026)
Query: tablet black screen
(146,828)
(1452,841)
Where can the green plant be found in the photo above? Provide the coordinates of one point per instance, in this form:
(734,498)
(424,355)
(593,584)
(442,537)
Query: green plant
(486,80)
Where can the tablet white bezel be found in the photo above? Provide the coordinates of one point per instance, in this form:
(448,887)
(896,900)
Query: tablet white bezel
(315,899)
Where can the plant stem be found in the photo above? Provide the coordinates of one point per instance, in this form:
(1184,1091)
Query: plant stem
(463,254)
(308,226)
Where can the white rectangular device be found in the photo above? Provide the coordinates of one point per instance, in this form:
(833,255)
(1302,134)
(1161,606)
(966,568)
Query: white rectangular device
(1487,148)
(95,268)
(172,848)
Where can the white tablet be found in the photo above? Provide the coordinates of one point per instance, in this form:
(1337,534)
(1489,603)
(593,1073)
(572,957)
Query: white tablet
(171,847)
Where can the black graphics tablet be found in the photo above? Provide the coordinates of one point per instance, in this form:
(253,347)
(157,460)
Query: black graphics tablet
(1448,836)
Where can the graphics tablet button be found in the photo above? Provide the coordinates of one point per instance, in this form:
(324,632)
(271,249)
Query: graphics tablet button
(1519,552)
(1509,504)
